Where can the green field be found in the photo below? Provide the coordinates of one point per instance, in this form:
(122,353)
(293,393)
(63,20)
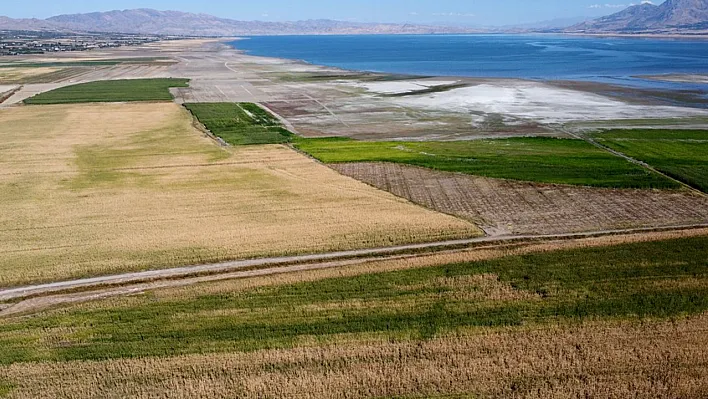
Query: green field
(630,281)
(681,154)
(110,91)
(545,160)
(240,123)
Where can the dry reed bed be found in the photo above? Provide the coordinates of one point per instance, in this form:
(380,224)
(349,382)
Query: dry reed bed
(96,189)
(609,360)
(503,206)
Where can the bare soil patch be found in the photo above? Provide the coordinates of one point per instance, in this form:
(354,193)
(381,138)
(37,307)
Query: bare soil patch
(504,207)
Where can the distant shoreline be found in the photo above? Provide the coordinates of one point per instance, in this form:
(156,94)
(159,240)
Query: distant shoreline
(656,96)
(701,36)
(232,43)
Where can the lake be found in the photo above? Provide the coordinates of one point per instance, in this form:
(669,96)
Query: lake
(539,57)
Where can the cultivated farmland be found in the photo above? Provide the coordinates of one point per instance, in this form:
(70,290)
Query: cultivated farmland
(110,91)
(100,188)
(524,324)
(240,124)
(682,154)
(543,160)
(507,206)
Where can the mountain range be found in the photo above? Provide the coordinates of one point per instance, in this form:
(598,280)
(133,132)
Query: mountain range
(670,16)
(147,21)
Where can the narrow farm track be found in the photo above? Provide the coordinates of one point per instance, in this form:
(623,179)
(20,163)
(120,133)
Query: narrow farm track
(644,165)
(38,297)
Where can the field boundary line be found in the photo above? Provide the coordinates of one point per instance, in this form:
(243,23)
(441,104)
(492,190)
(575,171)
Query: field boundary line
(286,123)
(250,264)
(10,93)
(637,162)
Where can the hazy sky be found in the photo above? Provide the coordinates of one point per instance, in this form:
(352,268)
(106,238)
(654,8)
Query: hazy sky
(471,12)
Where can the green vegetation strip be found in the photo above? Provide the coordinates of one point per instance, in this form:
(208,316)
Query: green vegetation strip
(5,388)
(631,281)
(681,154)
(111,91)
(544,160)
(240,123)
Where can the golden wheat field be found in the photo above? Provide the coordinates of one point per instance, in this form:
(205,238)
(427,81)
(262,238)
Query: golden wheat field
(18,74)
(95,189)
(607,360)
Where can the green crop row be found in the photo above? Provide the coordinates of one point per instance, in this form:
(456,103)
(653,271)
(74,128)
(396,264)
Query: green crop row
(240,123)
(110,91)
(681,154)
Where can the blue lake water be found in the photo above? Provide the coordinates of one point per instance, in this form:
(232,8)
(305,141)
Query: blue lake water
(542,57)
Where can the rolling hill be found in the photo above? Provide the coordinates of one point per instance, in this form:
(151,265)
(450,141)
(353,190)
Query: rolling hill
(670,16)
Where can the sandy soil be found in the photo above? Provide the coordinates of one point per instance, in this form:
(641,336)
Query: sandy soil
(503,206)
(30,90)
(5,91)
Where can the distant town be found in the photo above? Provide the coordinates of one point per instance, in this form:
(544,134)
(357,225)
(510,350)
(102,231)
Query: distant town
(29,42)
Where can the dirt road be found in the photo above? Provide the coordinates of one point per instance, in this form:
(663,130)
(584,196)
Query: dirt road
(37,298)
(301,262)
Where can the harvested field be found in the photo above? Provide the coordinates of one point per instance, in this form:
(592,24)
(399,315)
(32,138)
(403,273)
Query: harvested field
(504,206)
(102,188)
(22,74)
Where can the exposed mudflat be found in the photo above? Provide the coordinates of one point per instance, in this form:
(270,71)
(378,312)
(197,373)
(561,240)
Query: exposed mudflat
(405,86)
(542,103)
(323,101)
(680,78)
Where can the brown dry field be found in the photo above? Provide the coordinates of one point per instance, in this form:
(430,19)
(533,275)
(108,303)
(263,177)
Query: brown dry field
(104,188)
(18,74)
(505,206)
(646,359)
